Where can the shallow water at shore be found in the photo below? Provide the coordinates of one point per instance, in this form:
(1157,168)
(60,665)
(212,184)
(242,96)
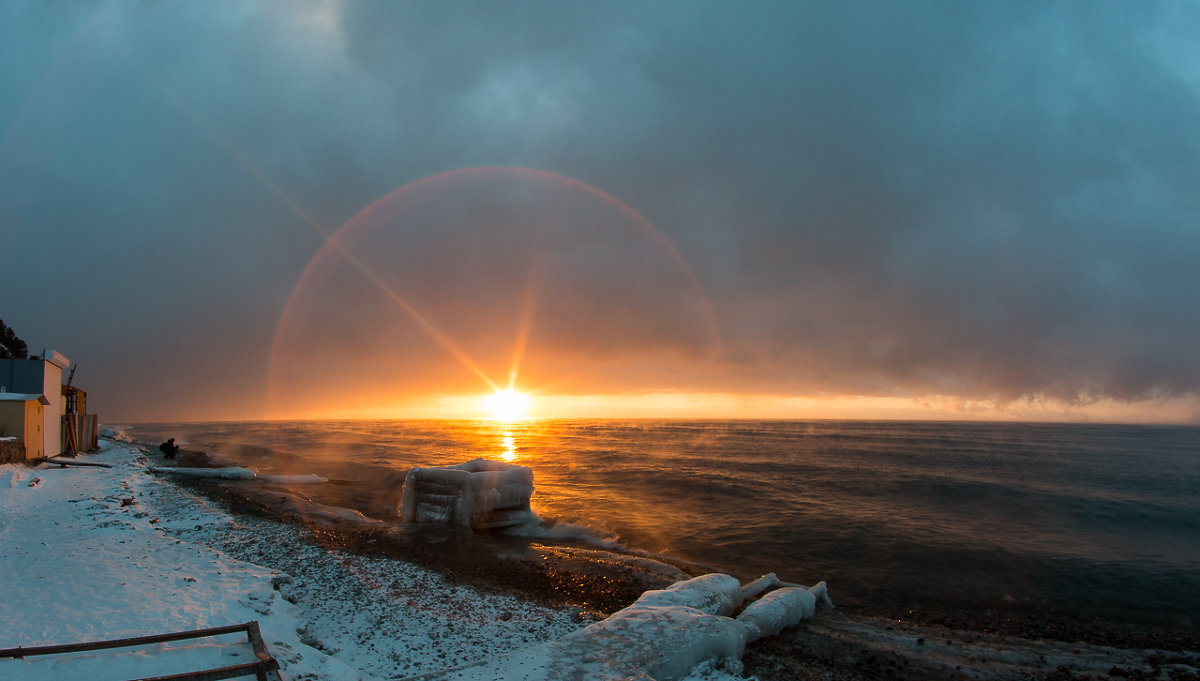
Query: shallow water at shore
(1083,521)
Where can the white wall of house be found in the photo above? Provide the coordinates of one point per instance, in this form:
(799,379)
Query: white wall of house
(52,419)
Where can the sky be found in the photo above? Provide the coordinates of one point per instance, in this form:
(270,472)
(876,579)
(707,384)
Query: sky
(307,208)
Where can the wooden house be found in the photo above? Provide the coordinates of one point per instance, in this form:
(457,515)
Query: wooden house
(62,429)
(21,422)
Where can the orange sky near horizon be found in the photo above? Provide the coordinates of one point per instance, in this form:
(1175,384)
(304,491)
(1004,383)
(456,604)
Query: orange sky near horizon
(444,292)
(702,406)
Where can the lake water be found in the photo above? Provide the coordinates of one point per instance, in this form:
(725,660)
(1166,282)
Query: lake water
(1083,519)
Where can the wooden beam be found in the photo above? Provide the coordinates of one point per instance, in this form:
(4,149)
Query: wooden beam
(231,672)
(125,642)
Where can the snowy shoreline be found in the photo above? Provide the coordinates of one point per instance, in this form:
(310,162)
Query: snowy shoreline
(117,552)
(108,553)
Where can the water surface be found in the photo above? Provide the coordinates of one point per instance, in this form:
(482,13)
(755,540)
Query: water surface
(1100,519)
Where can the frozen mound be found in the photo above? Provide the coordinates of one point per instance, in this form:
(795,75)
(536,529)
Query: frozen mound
(663,636)
(479,494)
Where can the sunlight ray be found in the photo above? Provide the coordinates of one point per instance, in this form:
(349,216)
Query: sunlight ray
(529,304)
(428,325)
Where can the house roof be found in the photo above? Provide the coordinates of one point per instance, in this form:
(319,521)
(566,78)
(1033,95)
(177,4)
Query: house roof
(23,397)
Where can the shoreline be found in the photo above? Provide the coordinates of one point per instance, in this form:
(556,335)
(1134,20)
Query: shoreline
(839,644)
(332,598)
(458,552)
(552,573)
(601,580)
(106,553)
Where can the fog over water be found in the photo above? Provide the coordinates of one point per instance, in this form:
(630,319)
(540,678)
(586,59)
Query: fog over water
(1041,518)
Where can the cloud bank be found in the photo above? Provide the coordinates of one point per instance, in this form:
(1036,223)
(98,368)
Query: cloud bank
(994,204)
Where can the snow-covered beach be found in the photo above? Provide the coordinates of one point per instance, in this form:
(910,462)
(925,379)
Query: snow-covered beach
(107,553)
(95,554)
(103,553)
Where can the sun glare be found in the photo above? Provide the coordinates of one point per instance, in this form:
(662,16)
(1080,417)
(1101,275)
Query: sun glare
(507,405)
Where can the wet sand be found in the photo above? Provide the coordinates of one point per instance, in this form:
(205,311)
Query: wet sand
(838,644)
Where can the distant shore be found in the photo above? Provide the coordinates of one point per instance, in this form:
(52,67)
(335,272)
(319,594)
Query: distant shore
(838,645)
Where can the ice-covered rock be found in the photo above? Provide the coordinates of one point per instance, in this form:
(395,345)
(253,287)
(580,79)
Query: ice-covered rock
(781,609)
(663,636)
(478,494)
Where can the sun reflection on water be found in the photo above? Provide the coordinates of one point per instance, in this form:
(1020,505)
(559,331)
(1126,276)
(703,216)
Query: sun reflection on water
(508,444)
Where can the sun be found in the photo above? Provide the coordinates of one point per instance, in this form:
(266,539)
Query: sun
(507,405)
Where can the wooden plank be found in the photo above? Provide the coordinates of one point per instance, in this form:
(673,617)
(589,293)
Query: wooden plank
(216,674)
(124,642)
(270,668)
(69,421)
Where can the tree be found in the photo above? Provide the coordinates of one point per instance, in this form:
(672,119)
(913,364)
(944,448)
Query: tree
(11,347)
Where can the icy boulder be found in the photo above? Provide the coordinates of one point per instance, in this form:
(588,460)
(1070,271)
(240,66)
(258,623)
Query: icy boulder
(783,608)
(479,494)
(663,636)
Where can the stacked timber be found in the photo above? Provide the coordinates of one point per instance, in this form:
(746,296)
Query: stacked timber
(79,433)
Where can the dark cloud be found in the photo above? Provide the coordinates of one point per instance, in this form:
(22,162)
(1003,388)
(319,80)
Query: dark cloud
(993,202)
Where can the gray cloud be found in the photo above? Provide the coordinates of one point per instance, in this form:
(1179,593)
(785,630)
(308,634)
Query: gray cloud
(993,202)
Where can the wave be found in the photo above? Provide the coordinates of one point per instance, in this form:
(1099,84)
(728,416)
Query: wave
(592,535)
(302,479)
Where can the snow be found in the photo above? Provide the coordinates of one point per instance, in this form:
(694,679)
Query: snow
(85,561)
(102,553)
(95,554)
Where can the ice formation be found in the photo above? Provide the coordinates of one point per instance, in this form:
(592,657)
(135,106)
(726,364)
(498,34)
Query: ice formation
(478,494)
(663,635)
(237,473)
(217,473)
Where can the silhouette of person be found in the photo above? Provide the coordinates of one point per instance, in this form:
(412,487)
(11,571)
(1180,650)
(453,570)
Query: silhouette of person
(169,448)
